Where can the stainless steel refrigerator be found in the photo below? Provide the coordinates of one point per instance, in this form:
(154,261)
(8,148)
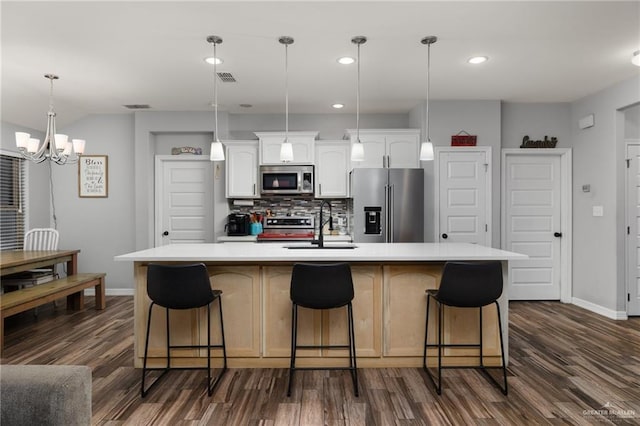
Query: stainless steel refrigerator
(388,205)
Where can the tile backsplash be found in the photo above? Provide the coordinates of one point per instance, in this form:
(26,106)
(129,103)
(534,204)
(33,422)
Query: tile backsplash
(296,206)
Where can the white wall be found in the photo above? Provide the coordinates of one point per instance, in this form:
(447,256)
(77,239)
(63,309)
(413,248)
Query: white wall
(598,160)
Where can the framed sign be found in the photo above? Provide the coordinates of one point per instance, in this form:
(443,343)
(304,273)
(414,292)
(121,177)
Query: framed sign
(93,176)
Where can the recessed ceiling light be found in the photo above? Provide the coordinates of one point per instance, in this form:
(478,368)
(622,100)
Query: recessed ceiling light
(346,60)
(338,106)
(245,105)
(478,59)
(211,59)
(635,59)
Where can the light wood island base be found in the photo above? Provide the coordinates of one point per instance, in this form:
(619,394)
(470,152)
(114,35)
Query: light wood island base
(389,316)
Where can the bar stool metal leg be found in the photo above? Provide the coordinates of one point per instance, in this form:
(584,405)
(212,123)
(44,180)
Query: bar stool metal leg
(294,344)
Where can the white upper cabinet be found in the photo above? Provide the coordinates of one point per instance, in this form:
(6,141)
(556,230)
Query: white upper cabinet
(332,169)
(398,148)
(302,143)
(241,169)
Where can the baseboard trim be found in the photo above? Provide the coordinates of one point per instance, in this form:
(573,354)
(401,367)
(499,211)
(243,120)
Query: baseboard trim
(609,313)
(111,292)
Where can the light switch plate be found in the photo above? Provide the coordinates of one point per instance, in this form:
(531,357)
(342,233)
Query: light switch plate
(598,211)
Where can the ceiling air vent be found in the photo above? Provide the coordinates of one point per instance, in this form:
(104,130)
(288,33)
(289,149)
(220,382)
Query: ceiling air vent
(226,77)
(137,106)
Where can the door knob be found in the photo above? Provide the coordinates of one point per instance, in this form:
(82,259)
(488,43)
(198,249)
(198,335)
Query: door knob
(557,234)
(445,236)
(165,233)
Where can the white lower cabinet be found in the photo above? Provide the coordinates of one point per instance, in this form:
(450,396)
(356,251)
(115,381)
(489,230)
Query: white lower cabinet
(241,169)
(332,169)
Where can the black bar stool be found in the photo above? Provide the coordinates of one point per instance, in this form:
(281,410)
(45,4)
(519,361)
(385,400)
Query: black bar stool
(182,287)
(322,286)
(465,285)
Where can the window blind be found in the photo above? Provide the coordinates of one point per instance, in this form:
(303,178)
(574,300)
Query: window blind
(13,193)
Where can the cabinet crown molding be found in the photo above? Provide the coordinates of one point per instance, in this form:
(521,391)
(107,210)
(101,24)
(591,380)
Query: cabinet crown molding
(312,134)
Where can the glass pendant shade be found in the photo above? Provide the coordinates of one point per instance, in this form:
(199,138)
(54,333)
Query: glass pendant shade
(426,151)
(357,151)
(22,139)
(217,151)
(78,145)
(286,152)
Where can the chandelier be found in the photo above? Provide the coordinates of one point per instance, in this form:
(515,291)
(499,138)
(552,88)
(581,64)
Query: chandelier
(56,147)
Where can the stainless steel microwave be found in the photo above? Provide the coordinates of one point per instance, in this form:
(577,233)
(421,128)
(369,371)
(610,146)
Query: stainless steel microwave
(286,180)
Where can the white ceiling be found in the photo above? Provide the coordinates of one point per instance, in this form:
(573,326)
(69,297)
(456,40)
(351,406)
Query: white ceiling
(108,54)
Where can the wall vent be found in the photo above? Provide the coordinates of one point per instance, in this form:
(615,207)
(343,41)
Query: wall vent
(137,106)
(226,77)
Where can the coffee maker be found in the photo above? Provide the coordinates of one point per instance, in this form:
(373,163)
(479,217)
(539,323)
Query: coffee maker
(237,224)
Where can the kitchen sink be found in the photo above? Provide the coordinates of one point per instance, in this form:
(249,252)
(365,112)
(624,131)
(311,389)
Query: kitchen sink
(326,247)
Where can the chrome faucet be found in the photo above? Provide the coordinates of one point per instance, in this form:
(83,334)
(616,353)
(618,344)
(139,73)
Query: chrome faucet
(320,240)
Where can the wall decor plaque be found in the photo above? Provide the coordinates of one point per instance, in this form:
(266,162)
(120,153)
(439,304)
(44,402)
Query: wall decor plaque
(93,176)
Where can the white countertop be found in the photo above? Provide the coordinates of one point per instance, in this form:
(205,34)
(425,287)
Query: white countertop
(364,252)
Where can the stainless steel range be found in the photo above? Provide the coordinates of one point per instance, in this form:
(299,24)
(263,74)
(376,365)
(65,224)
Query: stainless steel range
(287,228)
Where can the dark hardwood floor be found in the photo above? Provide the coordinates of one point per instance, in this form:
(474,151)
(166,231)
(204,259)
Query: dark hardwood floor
(568,366)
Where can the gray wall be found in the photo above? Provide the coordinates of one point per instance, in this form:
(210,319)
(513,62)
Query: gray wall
(598,160)
(632,122)
(100,227)
(535,121)
(447,118)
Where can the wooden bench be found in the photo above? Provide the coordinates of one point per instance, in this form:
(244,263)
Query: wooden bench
(72,287)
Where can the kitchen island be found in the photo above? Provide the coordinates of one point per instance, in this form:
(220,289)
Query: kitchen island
(389,305)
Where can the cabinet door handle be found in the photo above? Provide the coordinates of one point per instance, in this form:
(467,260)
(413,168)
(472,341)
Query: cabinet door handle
(557,234)
(445,236)
(254,189)
(319,189)
(165,233)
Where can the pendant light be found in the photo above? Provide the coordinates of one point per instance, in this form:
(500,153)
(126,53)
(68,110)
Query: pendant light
(426,148)
(286,149)
(357,149)
(217,150)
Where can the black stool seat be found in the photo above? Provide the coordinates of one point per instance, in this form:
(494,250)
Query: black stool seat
(466,285)
(182,287)
(322,286)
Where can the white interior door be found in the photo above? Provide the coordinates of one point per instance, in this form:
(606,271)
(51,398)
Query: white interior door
(633,229)
(533,225)
(463,191)
(184,200)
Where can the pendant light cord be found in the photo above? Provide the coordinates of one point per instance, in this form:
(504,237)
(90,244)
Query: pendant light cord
(215,90)
(358,98)
(428,86)
(286,93)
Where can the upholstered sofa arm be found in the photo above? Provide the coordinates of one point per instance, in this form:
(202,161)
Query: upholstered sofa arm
(45,395)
